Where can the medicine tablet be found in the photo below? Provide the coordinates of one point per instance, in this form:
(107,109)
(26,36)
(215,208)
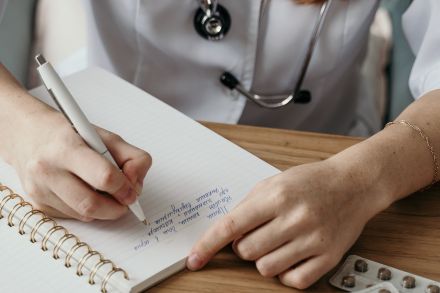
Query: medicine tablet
(361,275)
(432,289)
(348,281)
(361,266)
(409,282)
(384,274)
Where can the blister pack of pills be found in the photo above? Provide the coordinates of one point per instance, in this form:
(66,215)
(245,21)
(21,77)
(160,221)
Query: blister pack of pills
(384,287)
(358,273)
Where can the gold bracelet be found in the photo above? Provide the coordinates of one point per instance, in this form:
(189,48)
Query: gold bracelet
(428,145)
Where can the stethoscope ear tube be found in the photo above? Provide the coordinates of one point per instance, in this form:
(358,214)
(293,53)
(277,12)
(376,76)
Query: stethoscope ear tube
(231,82)
(298,95)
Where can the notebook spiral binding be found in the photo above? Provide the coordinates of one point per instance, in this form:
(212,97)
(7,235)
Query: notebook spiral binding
(58,244)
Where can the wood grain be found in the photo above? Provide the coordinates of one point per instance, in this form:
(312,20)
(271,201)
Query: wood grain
(406,235)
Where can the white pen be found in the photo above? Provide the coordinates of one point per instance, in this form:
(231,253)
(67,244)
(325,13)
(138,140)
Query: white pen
(71,110)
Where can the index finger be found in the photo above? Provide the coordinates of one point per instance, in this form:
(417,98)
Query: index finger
(248,215)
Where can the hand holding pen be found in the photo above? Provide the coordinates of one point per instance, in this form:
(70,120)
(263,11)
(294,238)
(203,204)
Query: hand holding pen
(73,113)
(61,173)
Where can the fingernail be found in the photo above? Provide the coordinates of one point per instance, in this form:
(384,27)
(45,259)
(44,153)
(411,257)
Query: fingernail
(194,262)
(234,245)
(138,187)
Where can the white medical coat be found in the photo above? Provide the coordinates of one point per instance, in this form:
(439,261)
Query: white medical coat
(153,44)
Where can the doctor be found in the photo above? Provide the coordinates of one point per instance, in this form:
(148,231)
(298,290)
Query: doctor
(264,44)
(303,219)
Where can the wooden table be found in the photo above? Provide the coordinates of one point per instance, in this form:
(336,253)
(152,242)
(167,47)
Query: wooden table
(406,235)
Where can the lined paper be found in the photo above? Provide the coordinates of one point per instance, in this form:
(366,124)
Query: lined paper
(196,177)
(25,268)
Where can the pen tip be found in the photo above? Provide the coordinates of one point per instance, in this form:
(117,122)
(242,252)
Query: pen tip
(145,222)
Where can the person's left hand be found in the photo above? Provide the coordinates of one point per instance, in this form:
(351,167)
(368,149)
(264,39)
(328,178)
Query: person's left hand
(296,225)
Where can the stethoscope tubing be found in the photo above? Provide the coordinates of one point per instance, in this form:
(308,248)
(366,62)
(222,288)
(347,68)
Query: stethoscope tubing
(229,80)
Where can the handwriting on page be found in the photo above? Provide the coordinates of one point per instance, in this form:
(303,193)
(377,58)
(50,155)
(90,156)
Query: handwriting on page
(209,205)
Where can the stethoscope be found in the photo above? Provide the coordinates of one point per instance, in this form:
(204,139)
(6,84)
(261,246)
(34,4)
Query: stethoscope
(212,21)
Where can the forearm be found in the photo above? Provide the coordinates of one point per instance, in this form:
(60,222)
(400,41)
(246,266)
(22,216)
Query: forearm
(16,105)
(396,161)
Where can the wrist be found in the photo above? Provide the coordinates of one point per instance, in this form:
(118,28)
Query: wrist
(19,124)
(365,176)
(387,166)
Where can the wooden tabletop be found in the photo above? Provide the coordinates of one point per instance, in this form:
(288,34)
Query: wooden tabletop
(405,236)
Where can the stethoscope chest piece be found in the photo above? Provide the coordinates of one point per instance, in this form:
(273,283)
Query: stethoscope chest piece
(212,24)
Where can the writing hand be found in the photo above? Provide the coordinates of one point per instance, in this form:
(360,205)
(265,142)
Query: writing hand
(61,174)
(296,225)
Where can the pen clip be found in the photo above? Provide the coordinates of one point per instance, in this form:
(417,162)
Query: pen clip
(41,61)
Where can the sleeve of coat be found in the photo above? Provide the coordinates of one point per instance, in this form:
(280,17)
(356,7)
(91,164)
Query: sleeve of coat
(421,23)
(3,4)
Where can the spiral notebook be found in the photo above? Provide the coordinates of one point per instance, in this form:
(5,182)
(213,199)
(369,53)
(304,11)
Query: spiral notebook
(197,177)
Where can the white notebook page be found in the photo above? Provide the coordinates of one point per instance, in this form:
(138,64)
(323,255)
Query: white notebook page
(196,177)
(25,268)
